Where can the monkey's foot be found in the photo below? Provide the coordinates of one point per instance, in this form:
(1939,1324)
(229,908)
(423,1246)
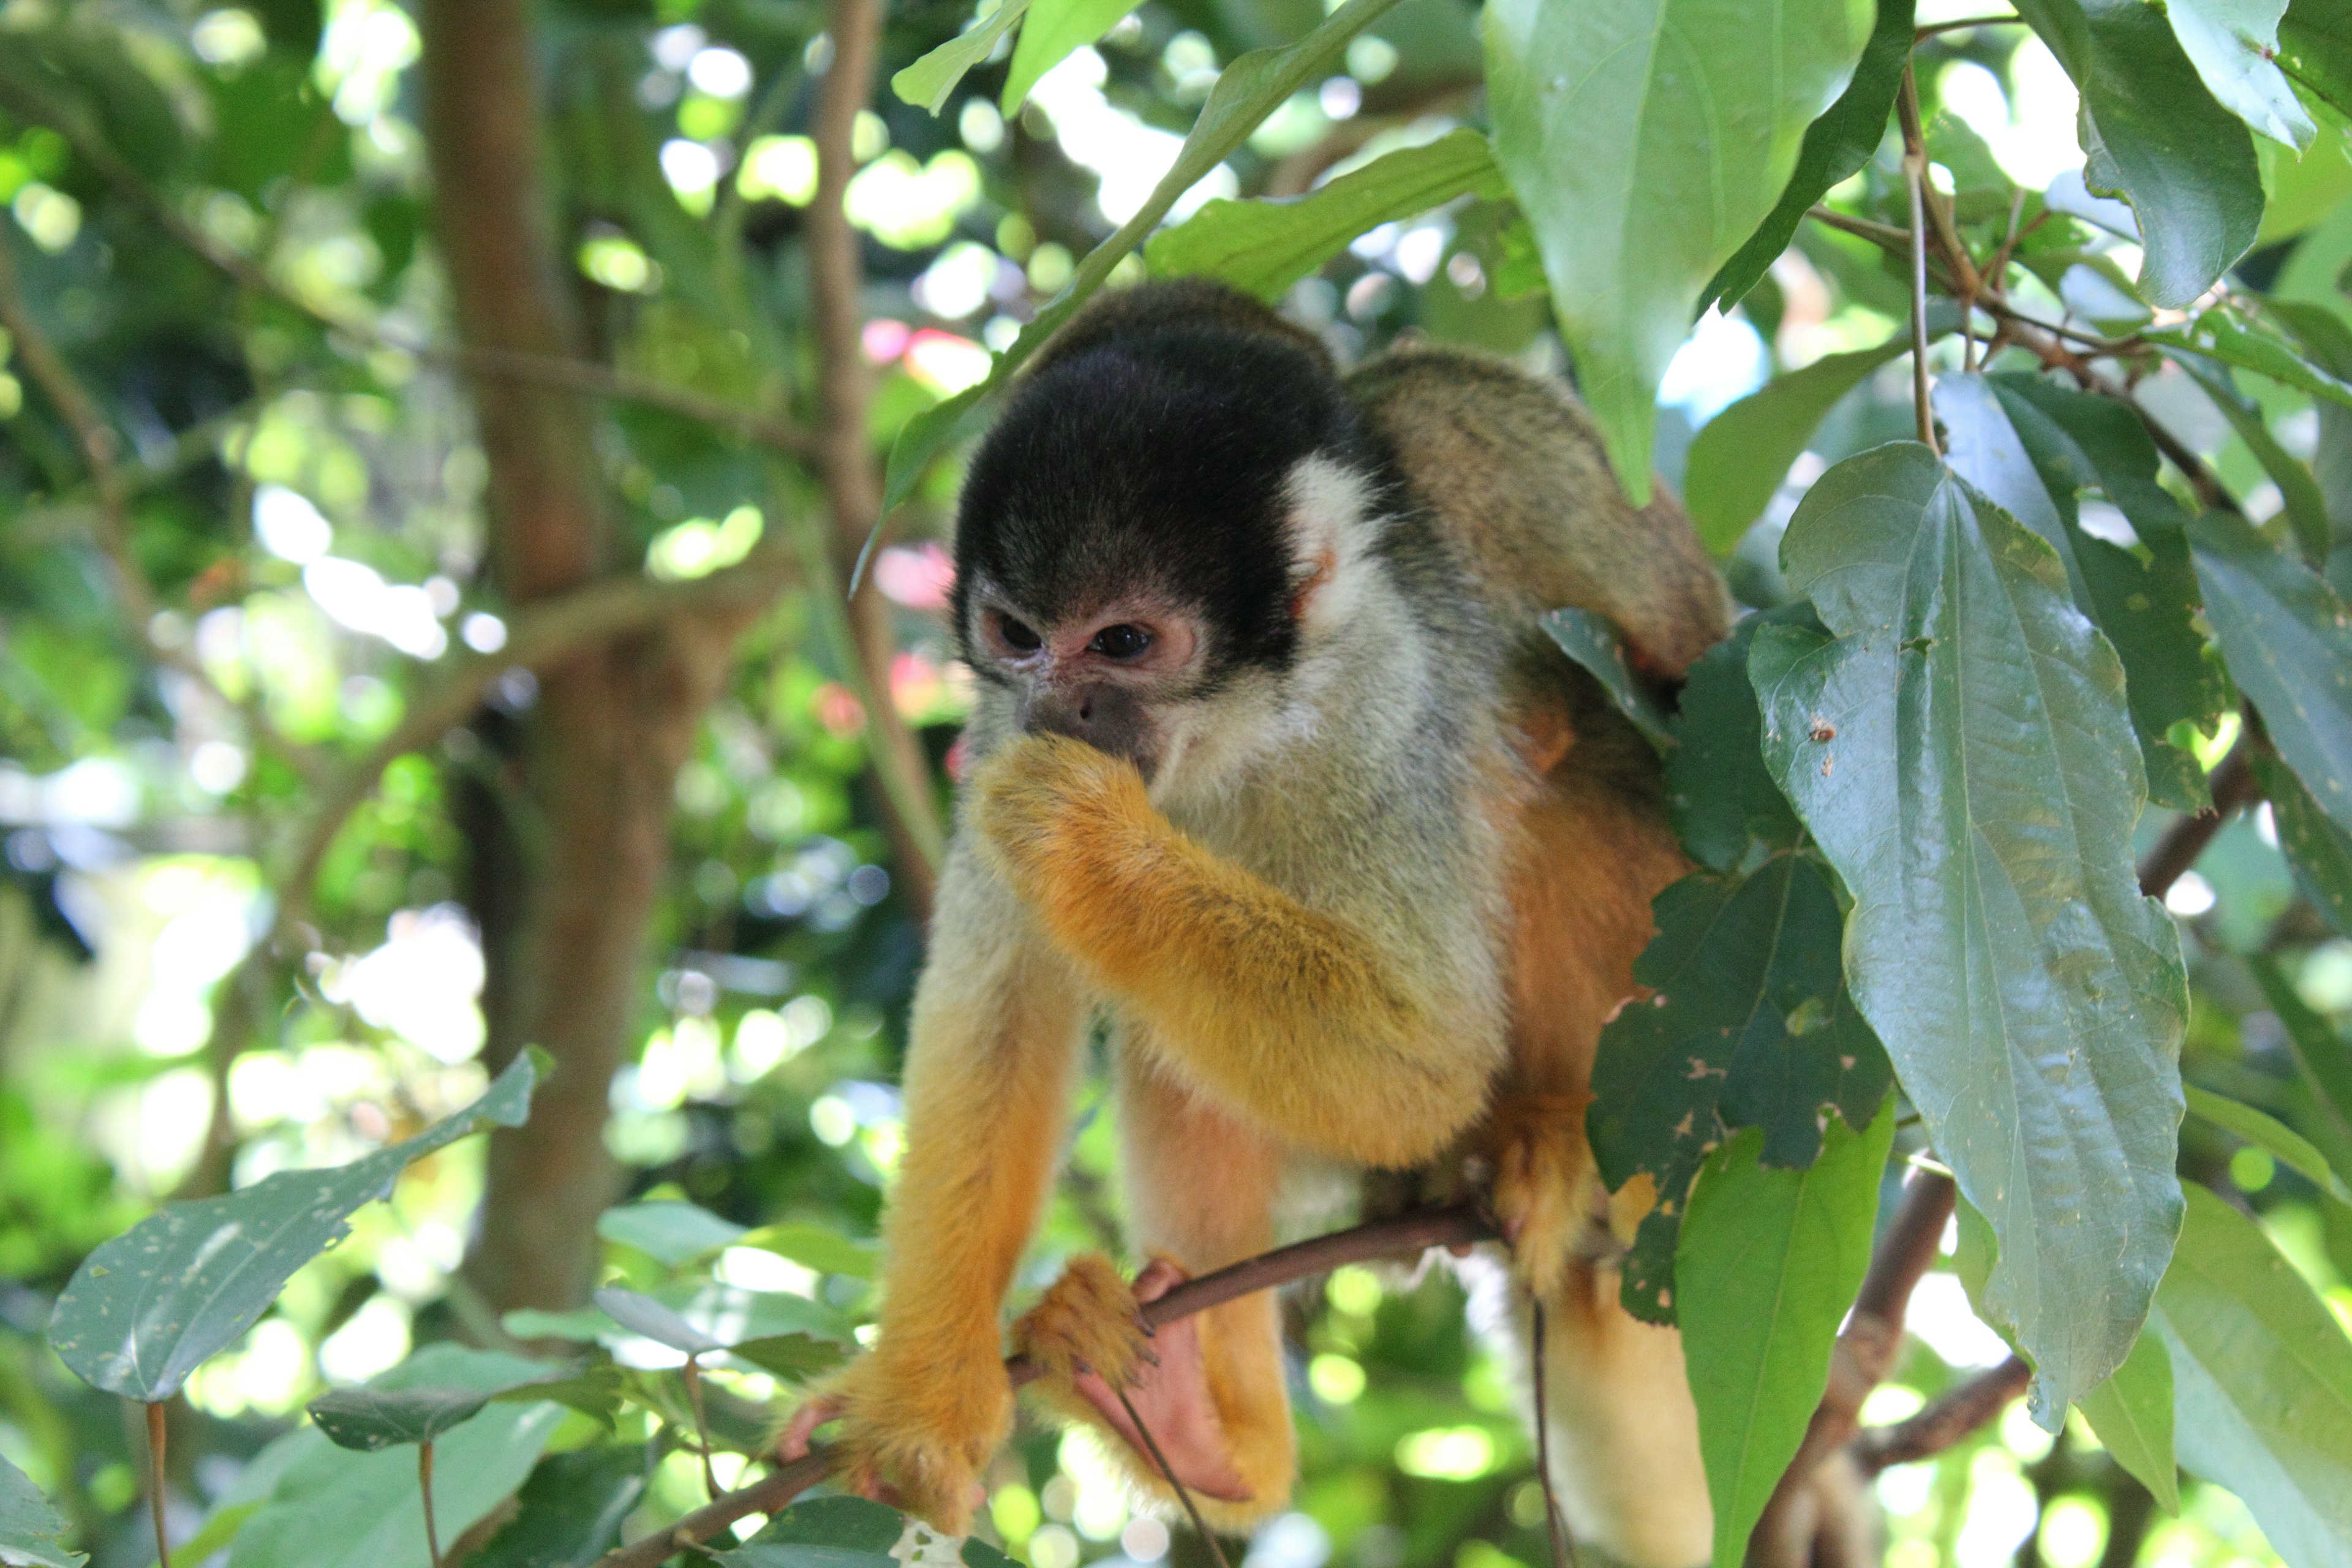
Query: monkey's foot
(1088,1336)
(910,1436)
(1544,1187)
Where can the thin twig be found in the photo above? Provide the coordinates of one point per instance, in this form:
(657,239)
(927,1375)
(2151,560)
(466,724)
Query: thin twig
(692,1373)
(1183,1493)
(1952,1416)
(424,1486)
(1404,1233)
(157,1433)
(1921,35)
(1564,1545)
(1914,178)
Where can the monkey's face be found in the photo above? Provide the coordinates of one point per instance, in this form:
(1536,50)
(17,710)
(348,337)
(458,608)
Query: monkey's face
(1106,676)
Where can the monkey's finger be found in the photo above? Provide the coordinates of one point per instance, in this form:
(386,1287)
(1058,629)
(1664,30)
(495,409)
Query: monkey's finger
(793,1441)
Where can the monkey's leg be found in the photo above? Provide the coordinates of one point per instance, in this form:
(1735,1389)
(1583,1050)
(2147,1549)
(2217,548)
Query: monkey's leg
(1284,1012)
(997,1019)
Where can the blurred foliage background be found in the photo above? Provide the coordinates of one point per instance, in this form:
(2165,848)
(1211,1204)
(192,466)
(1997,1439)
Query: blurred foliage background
(675,832)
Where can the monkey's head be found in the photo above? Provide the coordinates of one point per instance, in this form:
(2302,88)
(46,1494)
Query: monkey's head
(1146,534)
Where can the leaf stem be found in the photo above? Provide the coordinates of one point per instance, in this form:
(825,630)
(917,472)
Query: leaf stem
(692,1373)
(1556,1532)
(1914,179)
(1922,35)
(156,1444)
(424,1486)
(1183,1493)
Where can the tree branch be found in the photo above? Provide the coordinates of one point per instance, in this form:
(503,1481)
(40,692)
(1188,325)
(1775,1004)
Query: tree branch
(2233,784)
(1405,1234)
(1959,1411)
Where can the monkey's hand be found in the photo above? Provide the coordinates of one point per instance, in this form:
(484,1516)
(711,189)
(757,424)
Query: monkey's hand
(1545,1186)
(1043,796)
(916,1431)
(1088,1337)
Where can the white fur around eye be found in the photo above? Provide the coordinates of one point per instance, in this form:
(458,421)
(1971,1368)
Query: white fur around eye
(1332,530)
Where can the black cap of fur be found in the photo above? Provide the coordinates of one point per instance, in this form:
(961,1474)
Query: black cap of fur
(1150,450)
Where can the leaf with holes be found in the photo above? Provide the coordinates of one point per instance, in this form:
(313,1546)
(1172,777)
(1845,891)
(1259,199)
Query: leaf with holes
(1961,749)
(1647,140)
(1767,1264)
(148,1308)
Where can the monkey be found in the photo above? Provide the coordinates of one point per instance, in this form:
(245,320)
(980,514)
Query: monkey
(1272,767)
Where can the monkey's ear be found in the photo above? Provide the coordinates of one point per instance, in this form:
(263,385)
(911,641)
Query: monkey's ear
(1330,532)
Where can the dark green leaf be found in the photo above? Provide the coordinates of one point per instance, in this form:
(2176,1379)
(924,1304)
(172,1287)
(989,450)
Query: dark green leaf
(31,1534)
(794,1357)
(979,1553)
(2234,45)
(1721,800)
(930,81)
(1962,753)
(1265,245)
(149,1306)
(2156,138)
(2316,51)
(1749,1025)
(813,1247)
(2264,1131)
(2132,1413)
(1767,1264)
(2262,1384)
(371,1418)
(2318,852)
(1055,28)
(1589,639)
(1836,146)
(570,1512)
(2034,447)
(2319,1051)
(595,1390)
(2288,640)
(2305,507)
(671,1233)
(1647,140)
(2214,335)
(846,1523)
(791,1554)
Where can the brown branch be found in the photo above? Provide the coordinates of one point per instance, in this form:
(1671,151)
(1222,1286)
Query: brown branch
(1952,1416)
(1409,1234)
(2233,785)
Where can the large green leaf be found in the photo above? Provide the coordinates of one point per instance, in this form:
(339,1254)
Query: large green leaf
(1741,456)
(2288,640)
(374,1416)
(2233,44)
(2034,447)
(335,1508)
(1055,29)
(146,1308)
(823,1532)
(2316,51)
(570,1512)
(1749,1025)
(31,1534)
(2318,852)
(814,1246)
(2262,1384)
(2132,1413)
(1722,802)
(2299,494)
(2265,1131)
(1247,91)
(1647,140)
(2156,137)
(2216,336)
(669,1232)
(1266,246)
(1767,1264)
(1962,753)
(931,80)
(1836,146)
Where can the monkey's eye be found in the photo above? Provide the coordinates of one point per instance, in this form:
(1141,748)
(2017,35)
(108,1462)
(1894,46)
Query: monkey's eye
(1125,640)
(1017,636)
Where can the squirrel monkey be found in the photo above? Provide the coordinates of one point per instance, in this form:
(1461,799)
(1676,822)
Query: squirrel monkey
(1273,765)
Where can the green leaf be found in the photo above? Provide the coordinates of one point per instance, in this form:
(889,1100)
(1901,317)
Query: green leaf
(2293,1149)
(1247,91)
(1587,638)
(1054,30)
(2319,1051)
(2305,507)
(930,81)
(1749,1025)
(2316,51)
(1265,245)
(2288,641)
(711,1317)
(570,1512)
(844,1523)
(335,1508)
(1722,802)
(2318,852)
(1835,146)
(1962,753)
(32,1535)
(2232,44)
(791,1554)
(640,1314)
(792,1357)
(2034,447)
(1741,455)
(1647,140)
(146,1308)
(1767,1264)
(813,1247)
(371,1418)
(671,1233)
(2262,1384)
(2155,136)
(2132,1413)
(2214,335)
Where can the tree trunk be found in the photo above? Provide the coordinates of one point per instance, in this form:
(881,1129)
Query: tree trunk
(602,744)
